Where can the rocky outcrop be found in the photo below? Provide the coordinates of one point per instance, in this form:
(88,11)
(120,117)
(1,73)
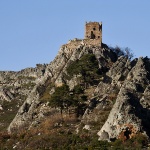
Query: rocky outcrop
(54,73)
(117,106)
(130,113)
(14,89)
(6,95)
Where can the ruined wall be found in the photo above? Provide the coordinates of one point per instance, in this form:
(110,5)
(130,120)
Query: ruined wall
(73,44)
(95,42)
(93,36)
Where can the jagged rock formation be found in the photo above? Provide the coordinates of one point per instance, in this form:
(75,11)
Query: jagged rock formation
(128,83)
(90,95)
(29,111)
(117,106)
(130,113)
(14,89)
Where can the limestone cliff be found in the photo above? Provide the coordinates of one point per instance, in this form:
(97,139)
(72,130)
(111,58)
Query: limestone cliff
(130,113)
(117,104)
(33,108)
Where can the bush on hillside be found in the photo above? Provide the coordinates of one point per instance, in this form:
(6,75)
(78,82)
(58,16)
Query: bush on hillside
(87,66)
(123,52)
(63,98)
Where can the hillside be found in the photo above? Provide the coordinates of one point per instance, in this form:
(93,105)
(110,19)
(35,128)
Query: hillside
(90,96)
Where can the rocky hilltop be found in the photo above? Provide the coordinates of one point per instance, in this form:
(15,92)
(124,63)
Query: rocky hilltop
(55,76)
(105,93)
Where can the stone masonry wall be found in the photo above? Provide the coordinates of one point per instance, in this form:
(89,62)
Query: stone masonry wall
(93,30)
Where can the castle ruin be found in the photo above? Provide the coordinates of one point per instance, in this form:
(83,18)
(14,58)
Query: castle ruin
(93,36)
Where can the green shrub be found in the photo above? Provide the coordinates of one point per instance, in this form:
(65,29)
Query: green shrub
(61,97)
(87,66)
(64,98)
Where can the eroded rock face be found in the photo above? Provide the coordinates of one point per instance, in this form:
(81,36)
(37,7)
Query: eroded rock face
(29,111)
(14,89)
(118,106)
(21,83)
(130,113)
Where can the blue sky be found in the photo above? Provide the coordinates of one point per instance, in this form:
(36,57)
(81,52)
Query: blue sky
(32,31)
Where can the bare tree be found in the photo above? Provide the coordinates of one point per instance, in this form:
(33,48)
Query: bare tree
(123,52)
(128,53)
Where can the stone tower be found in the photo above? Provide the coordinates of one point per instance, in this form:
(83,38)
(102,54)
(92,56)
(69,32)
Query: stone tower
(93,30)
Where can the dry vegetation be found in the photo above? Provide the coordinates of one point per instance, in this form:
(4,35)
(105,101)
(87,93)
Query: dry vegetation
(58,132)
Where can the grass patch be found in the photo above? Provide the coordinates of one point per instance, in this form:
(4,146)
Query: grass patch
(8,113)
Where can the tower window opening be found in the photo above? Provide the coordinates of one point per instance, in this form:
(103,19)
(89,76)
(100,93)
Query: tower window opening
(94,29)
(92,35)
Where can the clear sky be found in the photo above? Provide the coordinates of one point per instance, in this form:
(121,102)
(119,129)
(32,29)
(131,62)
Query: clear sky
(32,31)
